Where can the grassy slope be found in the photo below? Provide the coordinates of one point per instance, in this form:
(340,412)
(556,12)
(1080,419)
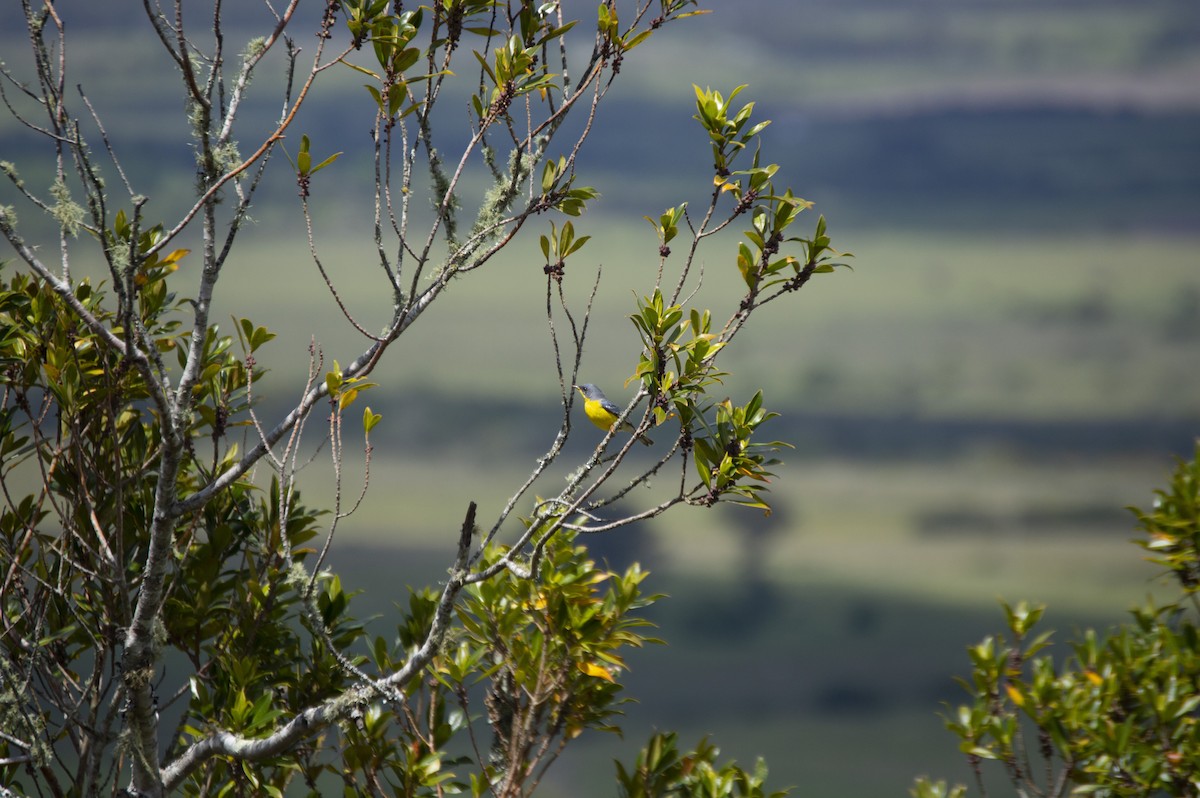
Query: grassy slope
(937,323)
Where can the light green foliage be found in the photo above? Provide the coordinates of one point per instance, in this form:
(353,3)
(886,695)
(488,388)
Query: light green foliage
(1172,526)
(731,133)
(678,363)
(558,246)
(680,346)
(390,37)
(1120,716)
(552,652)
(924,788)
(728,131)
(667,226)
(159,565)
(558,193)
(344,390)
(661,769)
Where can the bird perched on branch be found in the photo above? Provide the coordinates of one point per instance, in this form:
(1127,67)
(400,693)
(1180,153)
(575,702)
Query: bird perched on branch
(603,413)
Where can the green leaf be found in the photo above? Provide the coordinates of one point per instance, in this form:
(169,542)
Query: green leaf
(333,379)
(629,44)
(303,159)
(363,70)
(325,162)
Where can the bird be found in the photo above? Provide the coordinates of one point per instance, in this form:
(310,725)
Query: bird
(601,412)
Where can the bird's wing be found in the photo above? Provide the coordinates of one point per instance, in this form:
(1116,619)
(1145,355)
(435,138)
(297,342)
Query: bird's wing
(610,407)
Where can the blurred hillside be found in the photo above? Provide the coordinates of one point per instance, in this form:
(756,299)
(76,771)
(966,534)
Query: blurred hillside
(939,114)
(1012,361)
(927,113)
(1020,183)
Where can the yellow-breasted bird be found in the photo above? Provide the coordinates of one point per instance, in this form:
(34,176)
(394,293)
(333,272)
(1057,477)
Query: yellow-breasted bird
(602,412)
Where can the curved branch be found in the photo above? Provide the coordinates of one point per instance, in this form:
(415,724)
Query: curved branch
(312,720)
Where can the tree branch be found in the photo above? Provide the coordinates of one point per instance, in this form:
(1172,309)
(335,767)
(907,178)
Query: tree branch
(310,721)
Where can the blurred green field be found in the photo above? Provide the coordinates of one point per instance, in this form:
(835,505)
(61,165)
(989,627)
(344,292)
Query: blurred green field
(833,634)
(842,523)
(938,323)
(861,599)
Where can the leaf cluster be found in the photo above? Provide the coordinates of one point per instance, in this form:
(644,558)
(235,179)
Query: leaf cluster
(662,769)
(77,420)
(678,368)
(1172,526)
(1120,716)
(550,653)
(161,578)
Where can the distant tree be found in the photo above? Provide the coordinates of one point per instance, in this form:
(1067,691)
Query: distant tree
(169,623)
(1120,716)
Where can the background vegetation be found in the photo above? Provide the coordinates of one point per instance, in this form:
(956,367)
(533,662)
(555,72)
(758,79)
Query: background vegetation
(1013,360)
